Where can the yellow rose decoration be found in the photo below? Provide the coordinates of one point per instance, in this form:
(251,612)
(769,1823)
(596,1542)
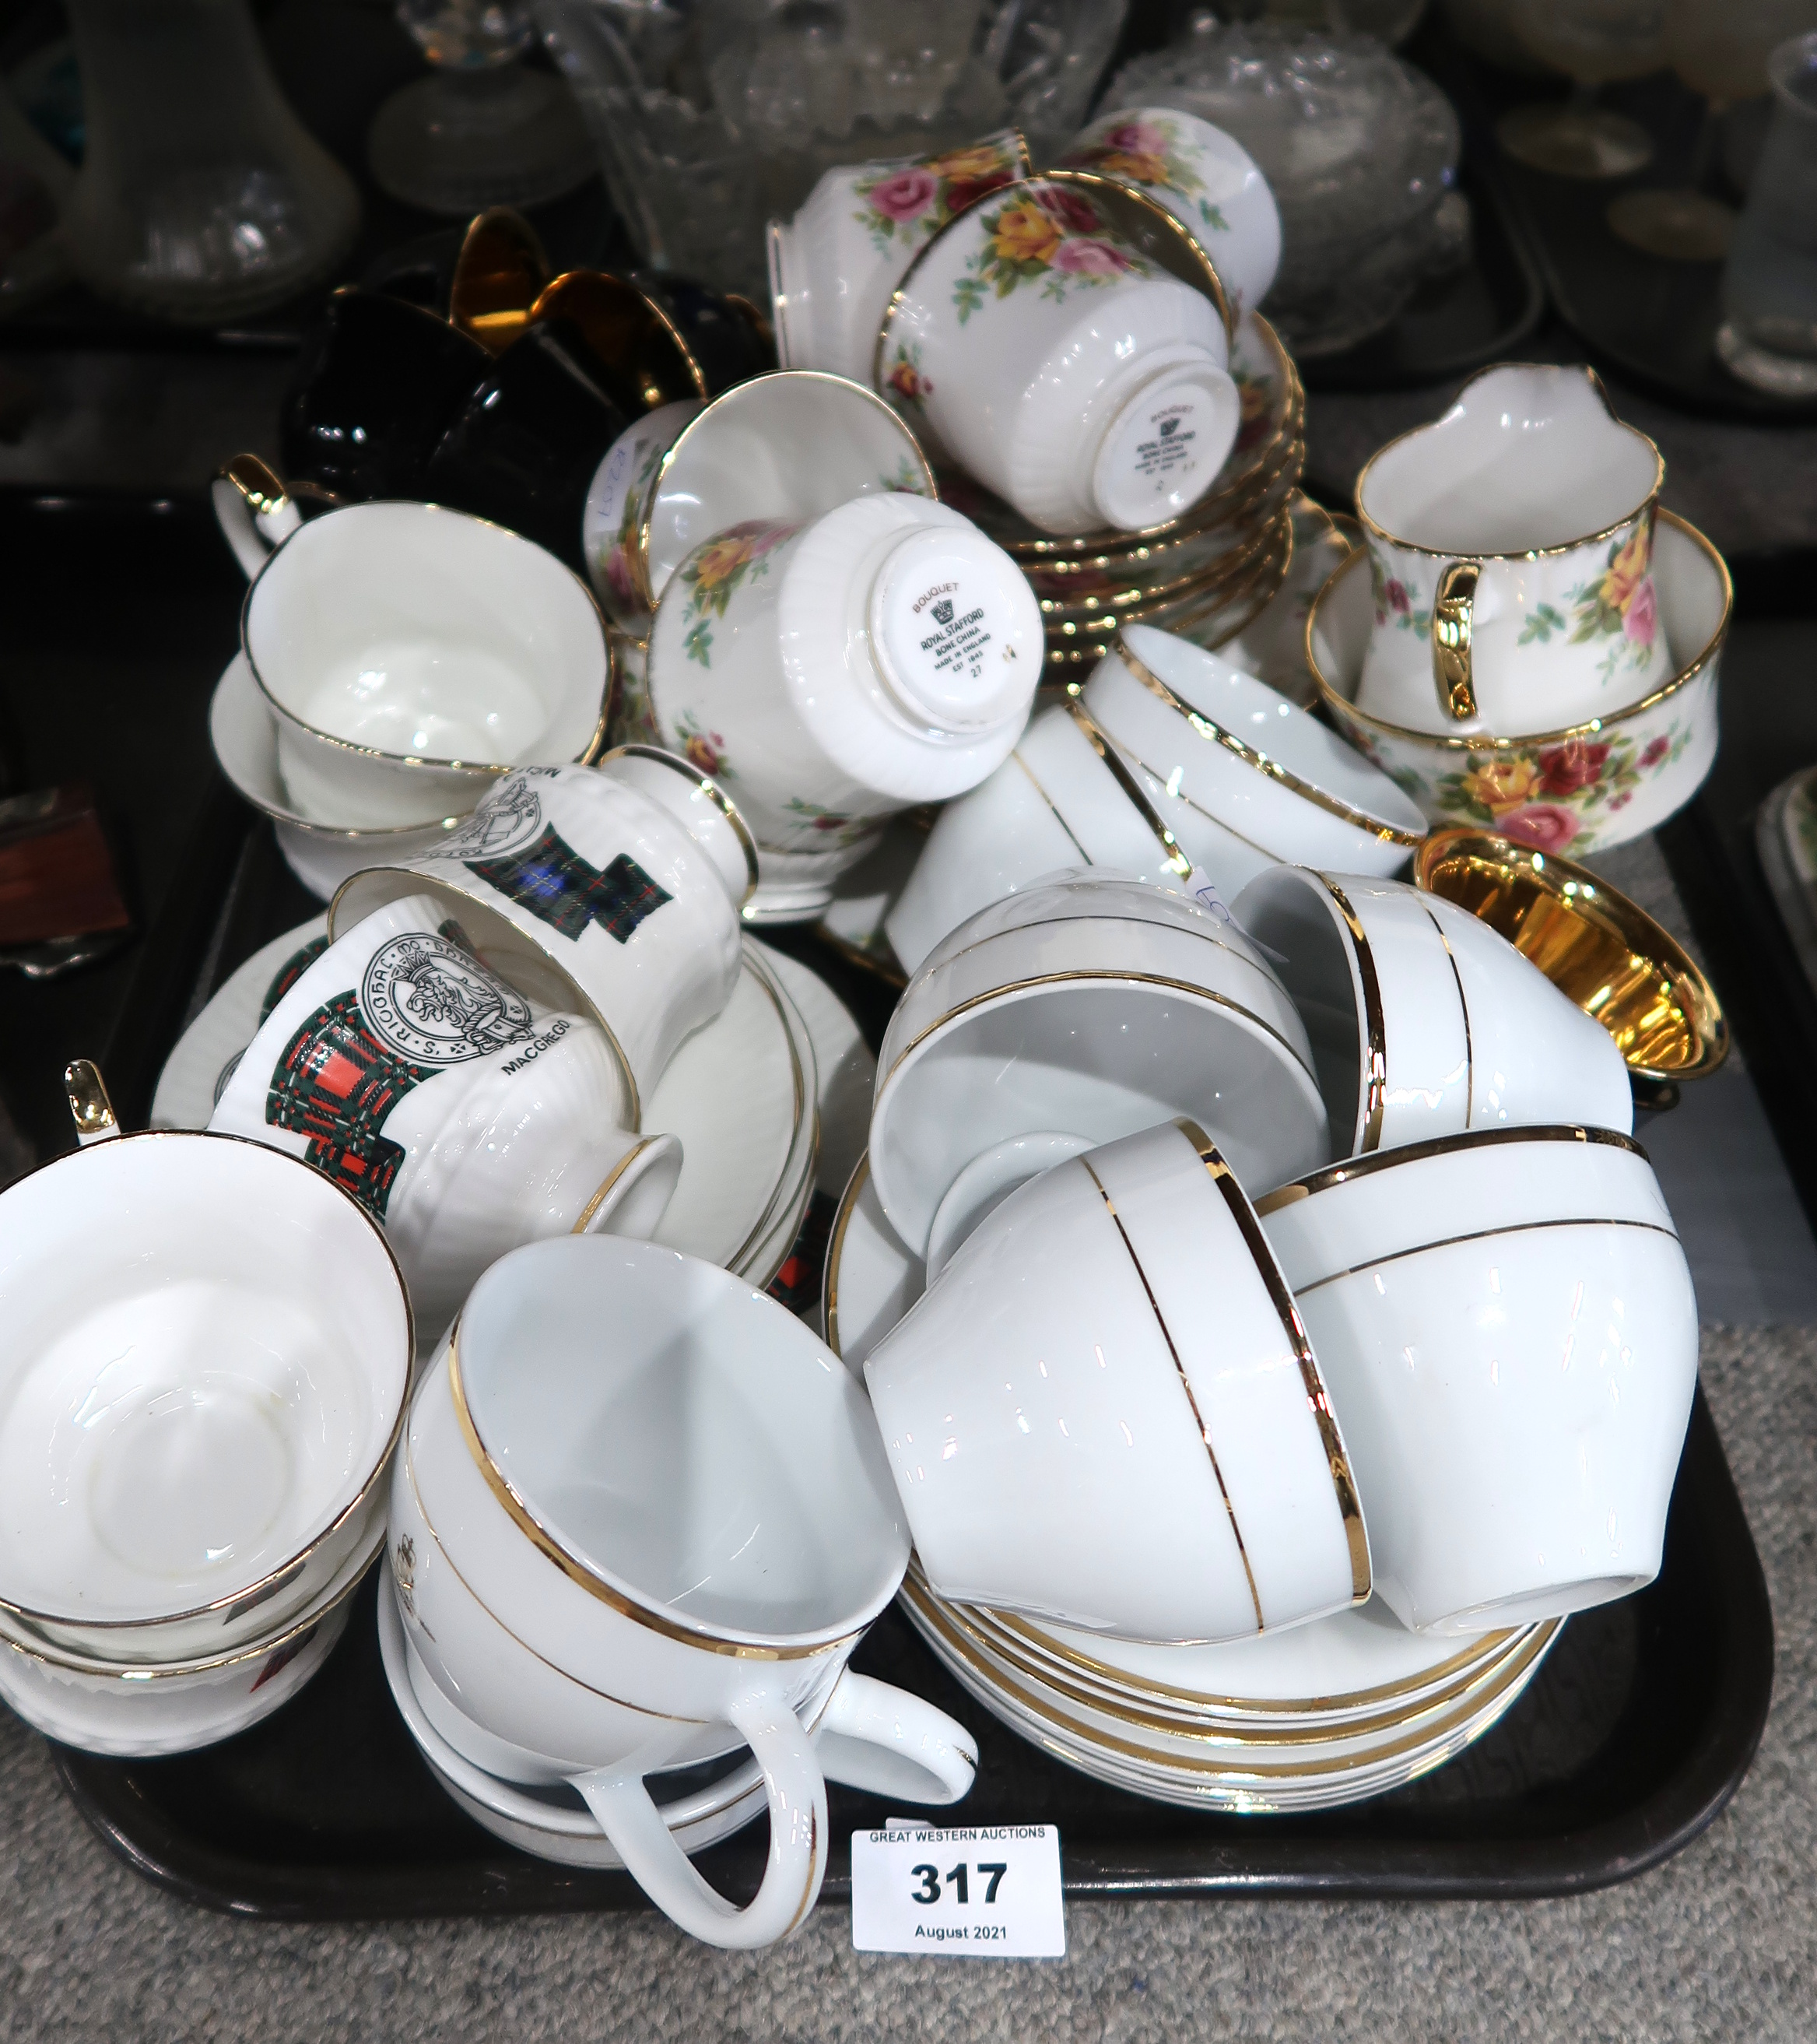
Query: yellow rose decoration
(1628,570)
(722,559)
(1024,234)
(963,163)
(1144,169)
(1502,784)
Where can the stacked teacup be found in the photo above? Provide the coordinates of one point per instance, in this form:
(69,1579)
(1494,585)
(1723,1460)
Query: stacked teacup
(207,1356)
(805,622)
(1533,642)
(1079,351)
(396,659)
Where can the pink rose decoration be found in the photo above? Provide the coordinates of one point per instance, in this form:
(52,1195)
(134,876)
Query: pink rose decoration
(619,576)
(1068,209)
(1641,618)
(1543,826)
(1137,138)
(907,196)
(1089,259)
(1656,751)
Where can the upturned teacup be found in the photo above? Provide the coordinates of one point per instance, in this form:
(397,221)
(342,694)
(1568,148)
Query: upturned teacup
(833,267)
(467,1118)
(832,673)
(1506,1324)
(1067,342)
(1511,550)
(1105,1409)
(1207,179)
(710,1486)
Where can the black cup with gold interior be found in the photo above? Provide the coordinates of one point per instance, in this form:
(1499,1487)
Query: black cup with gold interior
(377,382)
(523,449)
(727,336)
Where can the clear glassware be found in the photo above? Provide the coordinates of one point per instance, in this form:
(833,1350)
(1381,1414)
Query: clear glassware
(480,130)
(711,116)
(1594,43)
(1768,335)
(1360,149)
(202,196)
(1720,48)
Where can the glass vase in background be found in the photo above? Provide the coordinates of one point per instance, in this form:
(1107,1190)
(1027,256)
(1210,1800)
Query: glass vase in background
(711,117)
(202,196)
(1719,48)
(481,130)
(1768,335)
(1594,43)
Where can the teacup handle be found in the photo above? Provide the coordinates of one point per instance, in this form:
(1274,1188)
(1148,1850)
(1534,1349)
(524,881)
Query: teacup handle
(257,511)
(798,1836)
(90,1109)
(1453,617)
(884,1740)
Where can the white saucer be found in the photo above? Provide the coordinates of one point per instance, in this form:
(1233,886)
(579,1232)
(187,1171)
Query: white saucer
(243,733)
(551,1823)
(744,1094)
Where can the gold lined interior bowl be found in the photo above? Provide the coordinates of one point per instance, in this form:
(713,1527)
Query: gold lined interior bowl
(1596,946)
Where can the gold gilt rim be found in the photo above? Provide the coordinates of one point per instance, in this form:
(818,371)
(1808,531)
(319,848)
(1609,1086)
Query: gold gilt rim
(252,1594)
(784,1190)
(491,768)
(1323,1180)
(1038,1641)
(951,1627)
(1584,895)
(1346,713)
(1231,565)
(712,413)
(1075,637)
(1134,1708)
(836,1248)
(1208,728)
(1648,502)
(1498,1233)
(1337,1461)
(1374,1018)
(1098,975)
(704,784)
(1203,278)
(1128,782)
(624,1602)
(540,309)
(611,1179)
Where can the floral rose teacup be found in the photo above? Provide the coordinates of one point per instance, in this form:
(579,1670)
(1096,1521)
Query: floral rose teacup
(1207,180)
(829,673)
(1048,337)
(1510,551)
(834,266)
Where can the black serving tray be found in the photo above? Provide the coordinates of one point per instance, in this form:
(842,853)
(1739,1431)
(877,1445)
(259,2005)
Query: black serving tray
(1636,1731)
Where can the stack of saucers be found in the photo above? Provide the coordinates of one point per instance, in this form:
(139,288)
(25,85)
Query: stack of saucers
(1206,575)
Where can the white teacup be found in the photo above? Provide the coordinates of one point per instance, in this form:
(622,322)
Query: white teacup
(1424,1021)
(711,1487)
(208,1350)
(1094,1005)
(410,653)
(1049,339)
(833,267)
(1244,776)
(1511,549)
(1207,179)
(467,1118)
(1104,1410)
(612,891)
(1506,1324)
(831,673)
(1063,797)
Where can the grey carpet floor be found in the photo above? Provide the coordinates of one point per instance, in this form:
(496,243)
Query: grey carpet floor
(1720,1943)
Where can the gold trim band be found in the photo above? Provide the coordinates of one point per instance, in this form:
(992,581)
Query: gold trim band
(1356,1539)
(1186,1385)
(706,785)
(1284,776)
(1132,787)
(1484,1235)
(1329,1175)
(1375,1024)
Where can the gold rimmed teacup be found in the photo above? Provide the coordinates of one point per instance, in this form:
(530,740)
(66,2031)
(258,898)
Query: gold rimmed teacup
(1583,787)
(498,275)
(1603,951)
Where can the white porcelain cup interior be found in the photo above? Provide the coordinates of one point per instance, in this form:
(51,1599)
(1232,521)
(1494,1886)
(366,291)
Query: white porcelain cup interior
(206,1356)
